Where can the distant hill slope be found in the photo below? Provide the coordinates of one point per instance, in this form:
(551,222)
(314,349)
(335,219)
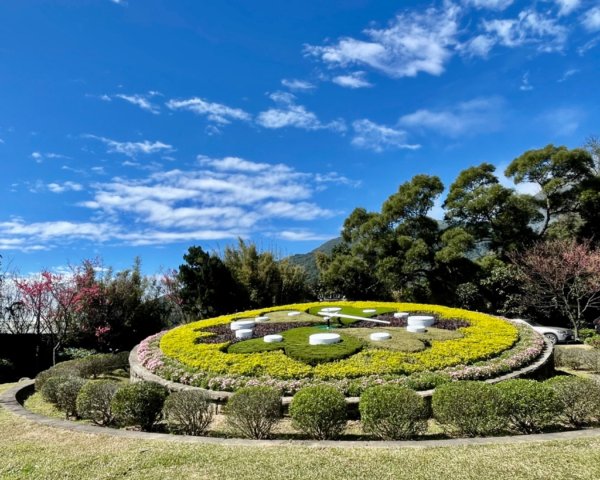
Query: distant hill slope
(308,261)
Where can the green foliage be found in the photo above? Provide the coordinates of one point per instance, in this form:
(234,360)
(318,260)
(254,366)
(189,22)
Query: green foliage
(469,408)
(74,353)
(252,412)
(527,405)
(49,387)
(139,403)
(208,287)
(579,399)
(296,346)
(426,380)
(577,357)
(593,341)
(393,412)
(560,173)
(95,399)
(188,412)
(585,333)
(488,211)
(66,395)
(319,411)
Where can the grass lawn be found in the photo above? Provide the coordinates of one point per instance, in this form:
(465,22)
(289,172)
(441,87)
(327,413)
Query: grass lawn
(31,451)
(402,340)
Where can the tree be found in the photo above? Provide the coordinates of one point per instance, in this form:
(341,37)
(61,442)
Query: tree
(559,173)
(207,286)
(55,301)
(561,276)
(495,216)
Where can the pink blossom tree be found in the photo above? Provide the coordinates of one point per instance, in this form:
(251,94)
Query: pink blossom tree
(561,276)
(56,301)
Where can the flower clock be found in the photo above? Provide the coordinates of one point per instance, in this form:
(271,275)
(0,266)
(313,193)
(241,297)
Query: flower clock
(351,345)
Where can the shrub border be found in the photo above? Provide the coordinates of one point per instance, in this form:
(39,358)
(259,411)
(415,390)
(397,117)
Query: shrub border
(13,398)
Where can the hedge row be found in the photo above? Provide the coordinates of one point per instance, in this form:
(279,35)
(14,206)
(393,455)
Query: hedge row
(389,412)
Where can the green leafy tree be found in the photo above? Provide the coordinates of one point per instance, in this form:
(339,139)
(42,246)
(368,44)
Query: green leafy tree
(208,287)
(562,176)
(496,217)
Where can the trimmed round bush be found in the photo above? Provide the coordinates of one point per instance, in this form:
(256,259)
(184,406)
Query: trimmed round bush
(49,389)
(319,411)
(579,399)
(94,401)
(64,369)
(252,412)
(139,403)
(393,412)
(189,412)
(527,405)
(468,408)
(66,395)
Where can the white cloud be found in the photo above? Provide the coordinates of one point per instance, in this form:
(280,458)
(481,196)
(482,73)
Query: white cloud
(567,6)
(132,149)
(141,101)
(490,4)
(39,156)
(352,80)
(478,115)
(567,74)
(215,112)
(478,46)
(371,136)
(223,198)
(525,85)
(414,42)
(591,19)
(64,187)
(289,114)
(563,121)
(302,236)
(529,27)
(295,84)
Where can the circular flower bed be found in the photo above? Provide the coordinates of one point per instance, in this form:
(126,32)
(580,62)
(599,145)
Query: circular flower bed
(460,345)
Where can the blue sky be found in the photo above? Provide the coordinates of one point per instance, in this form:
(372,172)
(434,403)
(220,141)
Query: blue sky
(143,127)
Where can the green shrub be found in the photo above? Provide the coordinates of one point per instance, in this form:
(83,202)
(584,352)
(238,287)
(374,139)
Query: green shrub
(94,365)
(586,333)
(189,412)
(593,341)
(252,412)
(50,386)
(527,405)
(468,408)
(578,357)
(426,380)
(139,403)
(296,346)
(66,395)
(94,401)
(579,399)
(393,412)
(75,353)
(319,411)
(70,368)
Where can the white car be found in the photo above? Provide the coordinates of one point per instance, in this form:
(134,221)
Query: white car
(553,334)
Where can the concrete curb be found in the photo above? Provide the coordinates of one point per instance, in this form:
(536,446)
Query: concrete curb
(12,400)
